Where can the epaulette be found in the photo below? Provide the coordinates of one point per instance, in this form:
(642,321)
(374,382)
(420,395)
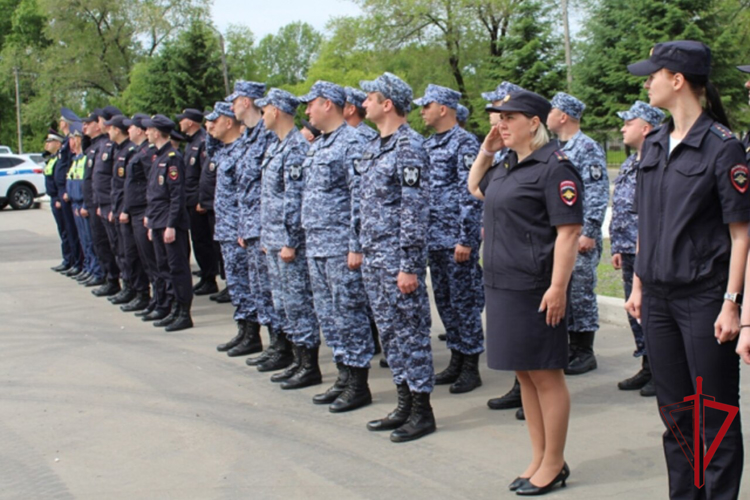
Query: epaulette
(560,155)
(131,148)
(721,131)
(172,154)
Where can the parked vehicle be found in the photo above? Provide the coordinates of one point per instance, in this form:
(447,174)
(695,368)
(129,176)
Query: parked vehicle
(5,150)
(21,181)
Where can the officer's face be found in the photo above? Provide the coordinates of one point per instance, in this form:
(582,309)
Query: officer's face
(555,120)
(516,129)
(210,128)
(316,110)
(430,113)
(269,116)
(185,124)
(240,107)
(374,106)
(633,132)
(152,134)
(660,88)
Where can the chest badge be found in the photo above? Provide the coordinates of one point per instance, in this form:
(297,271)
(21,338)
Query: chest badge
(411,176)
(212,166)
(295,172)
(161,180)
(568,193)
(90,163)
(192,160)
(105,156)
(121,172)
(739,176)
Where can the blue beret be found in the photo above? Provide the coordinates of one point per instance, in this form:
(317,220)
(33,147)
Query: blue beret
(355,97)
(684,56)
(441,95)
(568,105)
(327,90)
(462,113)
(285,101)
(392,87)
(500,92)
(647,113)
(253,90)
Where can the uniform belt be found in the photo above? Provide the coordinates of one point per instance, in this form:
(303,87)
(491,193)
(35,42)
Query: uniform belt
(681,291)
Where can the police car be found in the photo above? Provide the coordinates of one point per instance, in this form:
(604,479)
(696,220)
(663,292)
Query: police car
(21,180)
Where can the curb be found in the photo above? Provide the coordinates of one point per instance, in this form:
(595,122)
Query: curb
(612,311)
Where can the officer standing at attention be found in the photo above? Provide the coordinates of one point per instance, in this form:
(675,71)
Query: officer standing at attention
(62,167)
(395,214)
(354,113)
(454,237)
(693,211)
(331,219)
(283,240)
(52,145)
(588,157)
(133,214)
(640,119)
(200,228)
(226,204)
(168,222)
(110,284)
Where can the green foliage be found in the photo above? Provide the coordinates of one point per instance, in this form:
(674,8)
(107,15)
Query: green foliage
(284,58)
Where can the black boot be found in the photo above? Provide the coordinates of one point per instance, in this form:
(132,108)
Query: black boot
(85,276)
(156,315)
(250,343)
(126,295)
(451,373)
(73,271)
(397,417)
(108,289)
(383,363)
(94,281)
(520,415)
(308,373)
(512,399)
(273,336)
(648,390)
(421,420)
(200,283)
(282,356)
(638,380)
(584,361)
(149,308)
(469,378)
(241,332)
(173,313)
(356,394)
(222,296)
(208,287)
(62,267)
(336,389)
(183,321)
(139,303)
(291,369)
(375,337)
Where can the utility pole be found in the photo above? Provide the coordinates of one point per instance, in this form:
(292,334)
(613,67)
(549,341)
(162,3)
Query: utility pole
(566,34)
(18,113)
(224,63)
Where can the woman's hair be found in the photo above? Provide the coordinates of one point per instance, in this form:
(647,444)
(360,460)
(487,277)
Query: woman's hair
(540,137)
(708,96)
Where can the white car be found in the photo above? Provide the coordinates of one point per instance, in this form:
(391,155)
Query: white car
(21,181)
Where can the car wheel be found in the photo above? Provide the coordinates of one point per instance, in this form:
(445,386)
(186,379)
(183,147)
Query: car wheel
(21,197)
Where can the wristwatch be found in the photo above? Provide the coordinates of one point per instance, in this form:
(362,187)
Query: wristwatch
(734,297)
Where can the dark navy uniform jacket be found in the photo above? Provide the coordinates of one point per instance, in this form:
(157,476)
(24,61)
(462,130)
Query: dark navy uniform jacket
(195,159)
(102,175)
(523,204)
(62,167)
(136,178)
(684,202)
(122,154)
(166,191)
(92,152)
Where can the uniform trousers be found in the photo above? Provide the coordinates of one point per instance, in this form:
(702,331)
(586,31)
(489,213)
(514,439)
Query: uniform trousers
(130,259)
(147,256)
(583,310)
(173,264)
(65,250)
(235,265)
(102,248)
(202,238)
(71,234)
(260,285)
(90,261)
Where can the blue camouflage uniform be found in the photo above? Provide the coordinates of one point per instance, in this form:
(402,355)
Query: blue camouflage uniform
(330,219)
(395,216)
(356,97)
(591,163)
(455,219)
(462,113)
(256,141)
(623,228)
(281,200)
(227,209)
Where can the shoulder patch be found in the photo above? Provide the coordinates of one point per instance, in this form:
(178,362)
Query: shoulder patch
(596,172)
(568,193)
(411,176)
(721,131)
(173,172)
(295,172)
(738,174)
(469,161)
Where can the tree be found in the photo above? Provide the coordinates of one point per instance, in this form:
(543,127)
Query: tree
(240,49)
(284,58)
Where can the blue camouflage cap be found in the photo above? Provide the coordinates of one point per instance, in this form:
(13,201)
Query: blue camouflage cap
(68,115)
(355,97)
(462,113)
(441,95)
(568,105)
(212,115)
(392,87)
(242,88)
(326,90)
(645,112)
(285,101)
(500,92)
(223,108)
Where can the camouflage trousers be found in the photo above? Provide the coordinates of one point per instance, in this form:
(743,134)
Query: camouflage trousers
(404,324)
(260,284)
(341,307)
(293,299)
(459,297)
(583,310)
(235,266)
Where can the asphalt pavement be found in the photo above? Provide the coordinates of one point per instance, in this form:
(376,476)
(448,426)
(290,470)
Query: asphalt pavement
(96,404)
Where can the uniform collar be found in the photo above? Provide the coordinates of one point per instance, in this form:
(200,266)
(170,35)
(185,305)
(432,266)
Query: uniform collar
(441,140)
(326,140)
(541,155)
(571,143)
(694,137)
(164,149)
(401,130)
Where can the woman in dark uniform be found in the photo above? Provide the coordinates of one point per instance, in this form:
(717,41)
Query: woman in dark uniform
(693,208)
(533,214)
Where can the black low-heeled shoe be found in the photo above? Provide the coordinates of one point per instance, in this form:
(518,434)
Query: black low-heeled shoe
(530,489)
(517,483)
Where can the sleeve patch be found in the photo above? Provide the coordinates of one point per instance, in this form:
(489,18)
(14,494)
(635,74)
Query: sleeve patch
(739,176)
(596,172)
(173,172)
(295,172)
(411,176)
(469,161)
(568,192)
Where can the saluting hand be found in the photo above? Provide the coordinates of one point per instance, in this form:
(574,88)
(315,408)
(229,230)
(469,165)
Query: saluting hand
(494,141)
(554,301)
(407,282)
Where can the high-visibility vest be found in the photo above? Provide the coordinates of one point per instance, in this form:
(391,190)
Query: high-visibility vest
(77,169)
(49,168)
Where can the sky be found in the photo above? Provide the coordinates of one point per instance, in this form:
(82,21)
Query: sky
(276,13)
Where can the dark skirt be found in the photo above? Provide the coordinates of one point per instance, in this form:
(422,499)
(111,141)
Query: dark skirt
(518,337)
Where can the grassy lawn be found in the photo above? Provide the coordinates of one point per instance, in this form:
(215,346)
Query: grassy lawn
(610,280)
